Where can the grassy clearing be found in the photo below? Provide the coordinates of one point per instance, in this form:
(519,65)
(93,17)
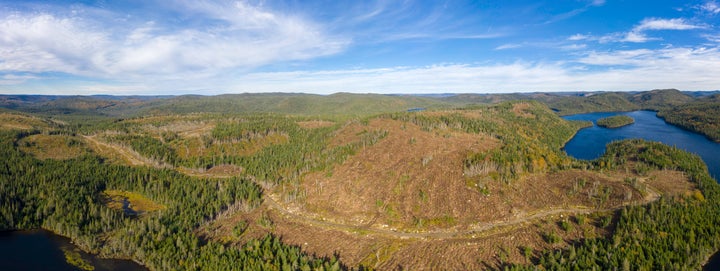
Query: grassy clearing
(58,147)
(20,122)
(137,203)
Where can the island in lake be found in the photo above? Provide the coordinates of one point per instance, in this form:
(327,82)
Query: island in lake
(615,121)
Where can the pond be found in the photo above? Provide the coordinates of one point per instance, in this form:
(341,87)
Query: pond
(44,250)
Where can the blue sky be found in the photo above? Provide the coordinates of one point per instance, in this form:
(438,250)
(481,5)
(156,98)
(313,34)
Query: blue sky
(213,47)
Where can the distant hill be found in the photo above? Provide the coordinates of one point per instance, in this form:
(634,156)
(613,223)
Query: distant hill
(702,93)
(660,99)
(300,104)
(702,116)
(283,103)
(601,102)
(564,103)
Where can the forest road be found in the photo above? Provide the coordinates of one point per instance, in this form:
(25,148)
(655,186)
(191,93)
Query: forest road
(481,230)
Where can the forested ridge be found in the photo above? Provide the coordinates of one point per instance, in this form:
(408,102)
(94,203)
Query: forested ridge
(702,116)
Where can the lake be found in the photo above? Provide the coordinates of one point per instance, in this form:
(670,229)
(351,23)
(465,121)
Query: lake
(589,143)
(43,250)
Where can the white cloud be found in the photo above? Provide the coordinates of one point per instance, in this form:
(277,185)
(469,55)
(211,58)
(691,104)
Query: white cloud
(711,7)
(43,42)
(642,69)
(625,57)
(665,24)
(638,33)
(684,68)
(508,46)
(242,37)
(634,36)
(577,37)
(573,47)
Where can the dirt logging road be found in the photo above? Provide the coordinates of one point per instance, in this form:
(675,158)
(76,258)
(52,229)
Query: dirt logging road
(485,229)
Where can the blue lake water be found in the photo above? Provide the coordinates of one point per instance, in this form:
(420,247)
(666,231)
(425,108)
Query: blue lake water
(43,250)
(589,143)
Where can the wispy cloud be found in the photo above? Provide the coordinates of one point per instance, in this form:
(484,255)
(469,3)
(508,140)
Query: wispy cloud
(665,24)
(638,34)
(711,7)
(14,79)
(573,47)
(575,12)
(508,46)
(712,38)
(577,37)
(244,36)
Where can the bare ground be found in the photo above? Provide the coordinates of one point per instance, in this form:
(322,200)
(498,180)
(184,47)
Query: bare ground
(114,152)
(410,177)
(386,249)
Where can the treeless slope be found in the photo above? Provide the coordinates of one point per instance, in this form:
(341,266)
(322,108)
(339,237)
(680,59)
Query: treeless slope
(20,122)
(410,179)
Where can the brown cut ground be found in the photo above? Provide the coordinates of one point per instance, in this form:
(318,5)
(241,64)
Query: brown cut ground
(115,153)
(350,133)
(196,147)
(520,110)
(668,182)
(410,179)
(481,247)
